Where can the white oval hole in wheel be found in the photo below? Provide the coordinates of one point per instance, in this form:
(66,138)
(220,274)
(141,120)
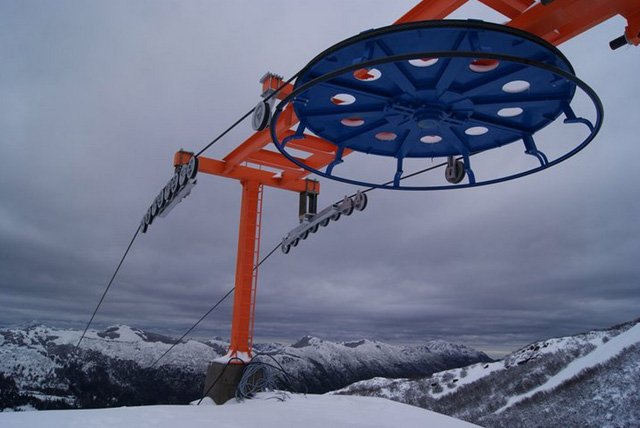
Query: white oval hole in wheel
(352,121)
(476,130)
(367,74)
(510,112)
(423,62)
(516,86)
(483,65)
(343,99)
(431,139)
(386,136)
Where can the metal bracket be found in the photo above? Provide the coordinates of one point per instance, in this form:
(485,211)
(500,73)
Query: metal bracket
(572,118)
(532,149)
(312,223)
(176,189)
(308,206)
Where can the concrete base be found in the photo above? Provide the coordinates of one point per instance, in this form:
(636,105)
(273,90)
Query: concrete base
(226,377)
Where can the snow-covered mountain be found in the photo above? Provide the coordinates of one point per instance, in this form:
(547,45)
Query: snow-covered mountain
(34,352)
(39,368)
(590,379)
(319,366)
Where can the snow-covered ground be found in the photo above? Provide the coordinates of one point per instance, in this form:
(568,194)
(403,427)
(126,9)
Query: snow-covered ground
(266,411)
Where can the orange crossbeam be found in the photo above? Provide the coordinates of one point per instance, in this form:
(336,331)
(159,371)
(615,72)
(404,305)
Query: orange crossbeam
(555,22)
(430,9)
(509,8)
(243,173)
(310,144)
(315,161)
(632,32)
(260,139)
(273,160)
(562,20)
(271,83)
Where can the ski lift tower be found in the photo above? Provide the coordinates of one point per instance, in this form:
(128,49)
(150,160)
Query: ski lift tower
(421,88)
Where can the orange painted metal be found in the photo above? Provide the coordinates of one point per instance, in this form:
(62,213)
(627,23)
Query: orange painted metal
(316,161)
(556,22)
(256,260)
(271,82)
(181,158)
(244,173)
(430,9)
(632,32)
(310,144)
(244,295)
(509,8)
(562,20)
(259,139)
(273,160)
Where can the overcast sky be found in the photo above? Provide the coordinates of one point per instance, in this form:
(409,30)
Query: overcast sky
(95,97)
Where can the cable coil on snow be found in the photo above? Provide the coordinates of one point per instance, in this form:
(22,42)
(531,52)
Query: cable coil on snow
(256,377)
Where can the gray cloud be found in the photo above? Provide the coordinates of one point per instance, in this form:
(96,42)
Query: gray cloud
(96,97)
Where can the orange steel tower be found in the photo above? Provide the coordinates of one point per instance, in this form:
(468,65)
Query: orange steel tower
(256,166)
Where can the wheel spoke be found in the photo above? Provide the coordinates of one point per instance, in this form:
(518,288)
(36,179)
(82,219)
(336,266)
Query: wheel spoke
(447,72)
(517,101)
(408,139)
(340,112)
(399,75)
(503,125)
(479,86)
(356,90)
(452,137)
(374,126)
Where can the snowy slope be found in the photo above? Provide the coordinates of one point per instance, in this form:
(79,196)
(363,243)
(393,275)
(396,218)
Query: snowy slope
(310,411)
(32,355)
(118,341)
(325,366)
(603,353)
(580,378)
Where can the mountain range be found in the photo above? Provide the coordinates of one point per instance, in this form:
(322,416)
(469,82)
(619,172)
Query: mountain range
(40,367)
(589,379)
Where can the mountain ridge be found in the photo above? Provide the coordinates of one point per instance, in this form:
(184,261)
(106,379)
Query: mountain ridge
(40,361)
(588,379)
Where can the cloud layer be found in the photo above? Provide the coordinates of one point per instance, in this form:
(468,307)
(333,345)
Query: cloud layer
(96,97)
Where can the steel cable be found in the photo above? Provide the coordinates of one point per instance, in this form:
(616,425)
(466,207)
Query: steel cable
(95,311)
(225,132)
(247,114)
(264,259)
(221,135)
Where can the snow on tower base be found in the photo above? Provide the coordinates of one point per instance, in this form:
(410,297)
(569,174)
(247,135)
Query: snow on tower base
(222,380)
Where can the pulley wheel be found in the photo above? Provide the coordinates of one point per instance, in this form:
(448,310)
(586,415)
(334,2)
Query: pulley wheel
(192,168)
(455,173)
(183,177)
(261,116)
(360,201)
